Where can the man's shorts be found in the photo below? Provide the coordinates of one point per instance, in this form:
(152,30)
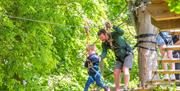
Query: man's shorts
(128,62)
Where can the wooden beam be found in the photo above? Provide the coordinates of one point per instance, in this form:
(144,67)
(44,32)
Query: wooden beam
(162,81)
(166,24)
(178,88)
(175,32)
(160,11)
(169,60)
(167,71)
(157,1)
(174,47)
(143,89)
(151,89)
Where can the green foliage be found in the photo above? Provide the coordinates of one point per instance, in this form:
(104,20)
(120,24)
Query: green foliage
(174,5)
(47,53)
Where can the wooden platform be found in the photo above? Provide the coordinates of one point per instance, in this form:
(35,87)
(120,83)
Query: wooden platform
(141,89)
(160,11)
(174,47)
(167,71)
(175,32)
(163,81)
(166,25)
(169,61)
(157,1)
(150,89)
(161,15)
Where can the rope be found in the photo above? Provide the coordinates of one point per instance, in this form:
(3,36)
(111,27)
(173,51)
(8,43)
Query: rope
(124,9)
(33,20)
(45,22)
(87,34)
(128,27)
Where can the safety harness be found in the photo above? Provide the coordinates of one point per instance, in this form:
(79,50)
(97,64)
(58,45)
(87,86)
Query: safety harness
(110,40)
(90,65)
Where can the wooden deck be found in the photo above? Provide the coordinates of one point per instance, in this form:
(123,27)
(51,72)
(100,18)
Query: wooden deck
(161,15)
(169,61)
(174,47)
(168,71)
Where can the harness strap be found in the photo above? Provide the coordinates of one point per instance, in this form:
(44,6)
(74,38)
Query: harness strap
(110,40)
(91,78)
(97,73)
(147,48)
(90,64)
(145,35)
(142,41)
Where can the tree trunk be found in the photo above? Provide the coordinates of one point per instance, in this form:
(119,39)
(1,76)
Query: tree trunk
(147,59)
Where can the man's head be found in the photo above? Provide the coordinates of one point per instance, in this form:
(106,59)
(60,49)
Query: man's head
(91,48)
(102,35)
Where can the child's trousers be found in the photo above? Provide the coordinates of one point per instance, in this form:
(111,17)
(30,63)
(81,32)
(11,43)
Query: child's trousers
(91,80)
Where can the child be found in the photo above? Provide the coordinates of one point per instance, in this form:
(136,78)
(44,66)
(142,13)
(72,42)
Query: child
(92,63)
(122,51)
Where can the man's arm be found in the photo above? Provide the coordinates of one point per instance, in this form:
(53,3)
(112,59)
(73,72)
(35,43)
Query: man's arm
(118,31)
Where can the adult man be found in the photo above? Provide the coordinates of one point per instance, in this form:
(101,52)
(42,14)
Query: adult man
(122,51)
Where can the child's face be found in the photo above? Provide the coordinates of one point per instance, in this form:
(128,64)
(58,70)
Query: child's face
(92,49)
